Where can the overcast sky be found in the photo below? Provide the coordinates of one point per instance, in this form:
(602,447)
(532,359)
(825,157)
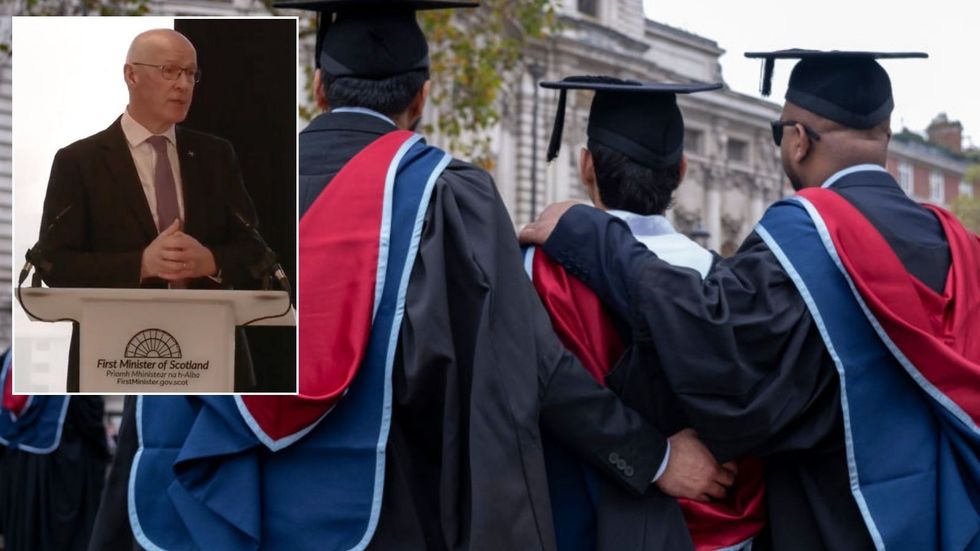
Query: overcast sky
(948,30)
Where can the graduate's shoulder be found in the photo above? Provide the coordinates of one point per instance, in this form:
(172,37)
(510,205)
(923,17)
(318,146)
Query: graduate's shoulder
(466,181)
(468,190)
(753,252)
(469,184)
(459,173)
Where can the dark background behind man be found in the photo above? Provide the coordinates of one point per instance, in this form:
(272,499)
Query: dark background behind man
(252,103)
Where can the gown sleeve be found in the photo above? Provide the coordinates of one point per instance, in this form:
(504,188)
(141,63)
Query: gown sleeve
(739,348)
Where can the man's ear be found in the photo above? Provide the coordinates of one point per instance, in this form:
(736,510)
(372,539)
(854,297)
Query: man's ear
(683,169)
(318,92)
(418,102)
(586,170)
(803,145)
(129,75)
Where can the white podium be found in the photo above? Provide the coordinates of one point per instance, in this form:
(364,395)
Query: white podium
(140,341)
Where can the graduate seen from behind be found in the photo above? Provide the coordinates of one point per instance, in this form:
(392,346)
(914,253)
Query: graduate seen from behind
(840,344)
(632,165)
(427,364)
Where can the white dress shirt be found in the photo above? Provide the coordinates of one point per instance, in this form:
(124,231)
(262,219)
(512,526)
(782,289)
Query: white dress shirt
(659,236)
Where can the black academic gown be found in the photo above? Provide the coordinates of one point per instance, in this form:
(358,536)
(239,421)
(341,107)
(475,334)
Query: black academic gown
(48,501)
(477,369)
(744,356)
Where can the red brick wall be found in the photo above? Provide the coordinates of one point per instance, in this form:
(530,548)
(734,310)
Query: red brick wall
(950,137)
(921,173)
(952,187)
(891,165)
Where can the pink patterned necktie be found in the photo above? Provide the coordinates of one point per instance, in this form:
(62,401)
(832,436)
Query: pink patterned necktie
(163,181)
(166,192)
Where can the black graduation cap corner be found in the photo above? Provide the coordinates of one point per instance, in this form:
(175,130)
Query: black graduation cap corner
(638,119)
(370,38)
(847,87)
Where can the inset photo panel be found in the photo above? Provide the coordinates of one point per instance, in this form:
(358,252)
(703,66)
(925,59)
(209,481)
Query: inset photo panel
(154,205)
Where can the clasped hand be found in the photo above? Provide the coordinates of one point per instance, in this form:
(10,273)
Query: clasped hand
(175,255)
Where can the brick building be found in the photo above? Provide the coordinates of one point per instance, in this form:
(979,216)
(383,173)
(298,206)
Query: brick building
(931,169)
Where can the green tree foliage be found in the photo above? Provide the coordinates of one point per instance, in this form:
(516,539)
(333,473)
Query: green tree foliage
(967,209)
(474,52)
(972,173)
(85,7)
(73,7)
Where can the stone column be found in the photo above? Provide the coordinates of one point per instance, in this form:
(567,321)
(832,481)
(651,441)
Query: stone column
(756,203)
(712,210)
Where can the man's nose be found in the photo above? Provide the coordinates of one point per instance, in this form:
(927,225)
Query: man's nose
(184,81)
(186,76)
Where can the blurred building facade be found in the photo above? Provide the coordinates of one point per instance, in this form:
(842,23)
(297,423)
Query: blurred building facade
(6,168)
(932,168)
(734,171)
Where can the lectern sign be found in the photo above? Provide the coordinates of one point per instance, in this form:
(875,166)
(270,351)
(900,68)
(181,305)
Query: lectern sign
(153,343)
(139,341)
(152,357)
(157,348)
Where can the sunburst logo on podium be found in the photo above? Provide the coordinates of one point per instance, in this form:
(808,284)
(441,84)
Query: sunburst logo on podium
(153,343)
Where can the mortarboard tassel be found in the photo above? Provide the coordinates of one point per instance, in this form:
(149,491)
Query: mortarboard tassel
(559,127)
(767,68)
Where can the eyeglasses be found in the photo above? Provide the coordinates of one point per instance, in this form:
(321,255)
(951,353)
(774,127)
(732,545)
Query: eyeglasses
(777,130)
(173,72)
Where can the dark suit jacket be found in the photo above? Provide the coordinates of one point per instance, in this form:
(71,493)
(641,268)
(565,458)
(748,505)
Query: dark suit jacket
(99,241)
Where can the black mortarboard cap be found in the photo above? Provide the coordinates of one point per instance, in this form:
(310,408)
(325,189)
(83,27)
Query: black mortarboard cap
(371,38)
(847,87)
(640,120)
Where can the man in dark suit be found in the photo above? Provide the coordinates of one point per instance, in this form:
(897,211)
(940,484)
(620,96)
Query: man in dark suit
(147,204)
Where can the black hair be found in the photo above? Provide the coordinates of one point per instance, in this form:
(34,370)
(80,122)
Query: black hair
(389,96)
(627,185)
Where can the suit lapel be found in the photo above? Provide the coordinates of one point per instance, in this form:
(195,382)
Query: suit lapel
(123,170)
(190,175)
